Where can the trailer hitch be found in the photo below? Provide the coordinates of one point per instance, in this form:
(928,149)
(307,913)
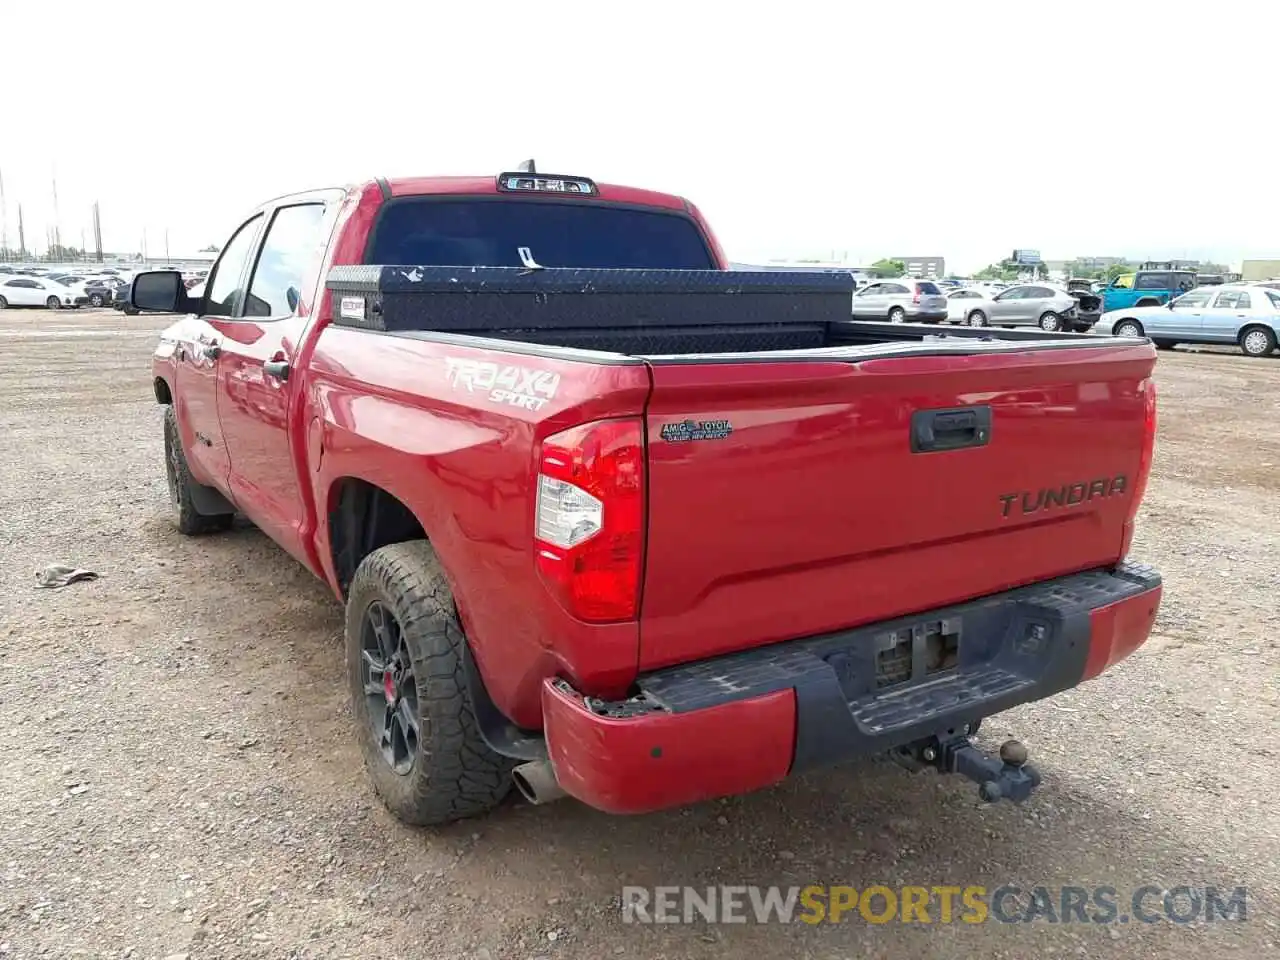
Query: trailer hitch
(1008,778)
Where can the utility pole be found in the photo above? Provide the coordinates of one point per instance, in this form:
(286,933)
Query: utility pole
(57,227)
(4,219)
(97,232)
(22,237)
(166,246)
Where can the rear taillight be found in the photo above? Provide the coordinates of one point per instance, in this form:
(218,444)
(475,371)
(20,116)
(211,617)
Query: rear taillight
(1145,458)
(916,297)
(589,518)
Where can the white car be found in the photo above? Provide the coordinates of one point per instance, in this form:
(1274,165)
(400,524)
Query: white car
(28,291)
(960,303)
(1245,315)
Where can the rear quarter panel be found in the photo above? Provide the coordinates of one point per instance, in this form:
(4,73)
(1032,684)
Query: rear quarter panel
(417,417)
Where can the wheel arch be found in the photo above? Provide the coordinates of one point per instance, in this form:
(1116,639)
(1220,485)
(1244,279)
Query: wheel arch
(164,395)
(361,516)
(1142,331)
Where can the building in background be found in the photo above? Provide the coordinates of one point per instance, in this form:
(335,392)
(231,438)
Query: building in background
(1260,269)
(924,268)
(1090,264)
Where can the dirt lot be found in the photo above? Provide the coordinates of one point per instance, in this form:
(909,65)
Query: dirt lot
(181,778)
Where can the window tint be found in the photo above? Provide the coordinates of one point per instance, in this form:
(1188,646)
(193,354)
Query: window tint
(287,254)
(1227,300)
(1197,298)
(224,291)
(929,289)
(1154,281)
(870,290)
(1243,301)
(895,288)
(490,233)
(1039,293)
(1014,293)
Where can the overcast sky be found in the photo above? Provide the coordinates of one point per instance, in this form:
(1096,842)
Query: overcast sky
(963,129)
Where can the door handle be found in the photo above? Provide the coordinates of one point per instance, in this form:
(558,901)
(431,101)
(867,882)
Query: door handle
(279,369)
(938,430)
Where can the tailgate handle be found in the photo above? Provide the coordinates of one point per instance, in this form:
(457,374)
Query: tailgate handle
(955,429)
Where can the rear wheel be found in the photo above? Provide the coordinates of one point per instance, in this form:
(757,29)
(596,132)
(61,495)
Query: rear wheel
(1257,341)
(181,485)
(897,315)
(95,299)
(1128,328)
(53,303)
(414,716)
(1050,322)
(977,319)
(1165,344)
(4,304)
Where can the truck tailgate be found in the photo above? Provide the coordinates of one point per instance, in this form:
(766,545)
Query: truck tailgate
(788,498)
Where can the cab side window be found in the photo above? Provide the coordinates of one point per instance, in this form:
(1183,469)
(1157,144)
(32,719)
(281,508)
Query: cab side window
(287,254)
(224,292)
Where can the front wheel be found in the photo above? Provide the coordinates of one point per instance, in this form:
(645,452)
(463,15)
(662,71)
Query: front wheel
(978,319)
(1050,322)
(414,716)
(897,315)
(182,485)
(1258,341)
(1127,328)
(95,300)
(53,303)
(4,304)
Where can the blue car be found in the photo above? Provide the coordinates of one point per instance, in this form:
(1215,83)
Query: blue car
(1246,315)
(1147,288)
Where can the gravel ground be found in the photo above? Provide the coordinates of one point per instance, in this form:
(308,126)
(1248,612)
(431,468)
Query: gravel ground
(181,777)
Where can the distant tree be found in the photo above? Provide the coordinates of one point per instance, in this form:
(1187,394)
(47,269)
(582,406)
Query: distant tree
(1116,269)
(56,253)
(888,268)
(211,248)
(1214,268)
(1004,270)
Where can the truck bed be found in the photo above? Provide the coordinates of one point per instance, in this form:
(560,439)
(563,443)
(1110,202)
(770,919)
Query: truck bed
(738,315)
(806,473)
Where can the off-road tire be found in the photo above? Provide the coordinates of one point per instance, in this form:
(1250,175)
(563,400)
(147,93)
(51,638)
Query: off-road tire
(190,521)
(455,774)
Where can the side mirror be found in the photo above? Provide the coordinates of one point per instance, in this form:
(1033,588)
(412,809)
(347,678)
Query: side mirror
(159,290)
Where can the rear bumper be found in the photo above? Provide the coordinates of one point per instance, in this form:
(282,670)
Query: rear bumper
(744,721)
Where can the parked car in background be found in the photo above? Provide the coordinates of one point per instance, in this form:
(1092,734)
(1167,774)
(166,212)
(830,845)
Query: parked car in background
(1273,284)
(104,290)
(1146,288)
(24,291)
(1243,314)
(967,306)
(900,300)
(1027,304)
(1088,303)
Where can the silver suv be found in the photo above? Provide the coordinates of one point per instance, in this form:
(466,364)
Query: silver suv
(900,300)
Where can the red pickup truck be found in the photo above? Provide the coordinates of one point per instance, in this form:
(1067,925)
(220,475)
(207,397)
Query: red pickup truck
(613,521)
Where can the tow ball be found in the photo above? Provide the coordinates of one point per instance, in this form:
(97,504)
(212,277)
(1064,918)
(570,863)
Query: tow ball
(1008,778)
